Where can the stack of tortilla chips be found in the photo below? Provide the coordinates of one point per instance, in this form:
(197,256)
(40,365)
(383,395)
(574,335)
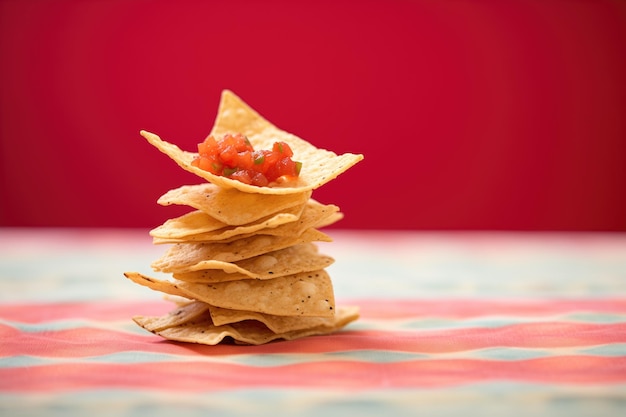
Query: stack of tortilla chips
(244,258)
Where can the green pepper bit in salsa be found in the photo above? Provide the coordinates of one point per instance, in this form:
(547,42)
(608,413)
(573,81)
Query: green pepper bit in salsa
(234,157)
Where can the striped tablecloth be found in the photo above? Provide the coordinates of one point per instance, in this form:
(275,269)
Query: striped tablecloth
(451,323)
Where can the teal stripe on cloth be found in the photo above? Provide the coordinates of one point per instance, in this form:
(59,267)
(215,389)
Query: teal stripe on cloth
(486,400)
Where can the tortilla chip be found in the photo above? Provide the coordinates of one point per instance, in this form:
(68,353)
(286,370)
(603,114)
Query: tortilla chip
(231,206)
(292,260)
(319,166)
(186,257)
(195,220)
(252,332)
(166,287)
(281,224)
(199,226)
(305,294)
(181,315)
(277,324)
(327,221)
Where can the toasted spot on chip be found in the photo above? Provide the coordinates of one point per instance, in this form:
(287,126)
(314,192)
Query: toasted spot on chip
(319,166)
(266,262)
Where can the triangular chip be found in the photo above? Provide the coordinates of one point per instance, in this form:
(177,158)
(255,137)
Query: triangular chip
(229,205)
(282,224)
(181,315)
(186,257)
(319,166)
(164,286)
(251,332)
(306,294)
(327,221)
(195,220)
(277,324)
(288,261)
(199,226)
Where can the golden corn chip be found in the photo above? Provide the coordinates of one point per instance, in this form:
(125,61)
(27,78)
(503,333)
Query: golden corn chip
(281,224)
(166,287)
(305,294)
(319,166)
(195,220)
(327,221)
(277,324)
(252,332)
(181,315)
(197,223)
(186,257)
(231,206)
(292,260)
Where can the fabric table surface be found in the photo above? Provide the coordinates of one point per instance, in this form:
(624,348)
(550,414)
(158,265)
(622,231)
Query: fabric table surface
(451,322)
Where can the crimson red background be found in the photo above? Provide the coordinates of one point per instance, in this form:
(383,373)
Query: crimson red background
(504,115)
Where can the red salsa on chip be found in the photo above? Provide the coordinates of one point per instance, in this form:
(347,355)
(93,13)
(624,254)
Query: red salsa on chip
(233,156)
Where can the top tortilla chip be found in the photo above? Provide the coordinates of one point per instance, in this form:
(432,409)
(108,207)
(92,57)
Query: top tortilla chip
(319,166)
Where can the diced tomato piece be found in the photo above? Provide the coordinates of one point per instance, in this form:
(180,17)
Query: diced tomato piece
(244,160)
(284,167)
(238,141)
(208,163)
(259,180)
(228,155)
(258,159)
(242,176)
(283,149)
(271,158)
(207,146)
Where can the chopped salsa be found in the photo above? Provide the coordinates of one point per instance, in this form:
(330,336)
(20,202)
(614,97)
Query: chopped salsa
(233,156)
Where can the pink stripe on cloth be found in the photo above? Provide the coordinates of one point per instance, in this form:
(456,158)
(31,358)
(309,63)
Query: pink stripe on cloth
(525,335)
(195,376)
(370,308)
(87,341)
